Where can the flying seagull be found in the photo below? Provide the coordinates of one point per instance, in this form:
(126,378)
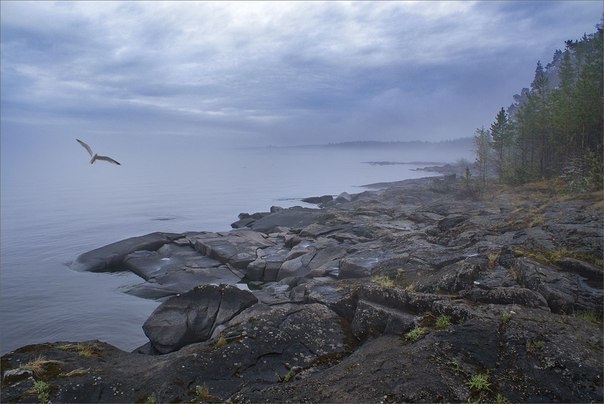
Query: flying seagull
(95,156)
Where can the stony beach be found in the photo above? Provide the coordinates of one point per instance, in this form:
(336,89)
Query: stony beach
(411,291)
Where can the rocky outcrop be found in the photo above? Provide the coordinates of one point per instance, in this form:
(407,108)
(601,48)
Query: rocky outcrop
(193,316)
(111,257)
(402,293)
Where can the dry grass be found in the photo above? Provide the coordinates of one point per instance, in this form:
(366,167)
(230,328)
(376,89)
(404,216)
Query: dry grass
(383,281)
(83,349)
(41,366)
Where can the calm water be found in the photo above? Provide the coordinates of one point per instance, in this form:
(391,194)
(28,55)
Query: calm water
(55,206)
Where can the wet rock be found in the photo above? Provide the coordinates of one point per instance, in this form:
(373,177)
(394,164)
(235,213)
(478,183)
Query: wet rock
(317,200)
(111,257)
(237,248)
(357,266)
(450,222)
(295,218)
(558,288)
(335,292)
(193,316)
(506,295)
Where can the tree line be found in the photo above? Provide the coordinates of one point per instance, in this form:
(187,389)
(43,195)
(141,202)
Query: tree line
(554,128)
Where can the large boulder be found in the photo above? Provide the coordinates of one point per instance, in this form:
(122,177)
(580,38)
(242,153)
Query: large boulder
(193,316)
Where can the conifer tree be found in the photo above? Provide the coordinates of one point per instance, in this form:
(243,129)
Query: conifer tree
(502,140)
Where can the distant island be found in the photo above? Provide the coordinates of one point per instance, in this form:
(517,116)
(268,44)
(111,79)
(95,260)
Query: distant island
(463,142)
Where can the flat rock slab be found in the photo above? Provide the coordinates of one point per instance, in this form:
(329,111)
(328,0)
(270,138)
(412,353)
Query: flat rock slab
(237,247)
(176,269)
(110,258)
(294,218)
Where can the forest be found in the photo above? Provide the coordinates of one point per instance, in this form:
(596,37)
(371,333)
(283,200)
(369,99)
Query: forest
(554,128)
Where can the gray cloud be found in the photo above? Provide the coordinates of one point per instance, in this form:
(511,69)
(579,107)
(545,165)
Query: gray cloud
(276,72)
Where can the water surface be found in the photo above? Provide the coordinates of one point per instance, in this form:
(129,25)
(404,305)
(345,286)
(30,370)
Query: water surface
(55,206)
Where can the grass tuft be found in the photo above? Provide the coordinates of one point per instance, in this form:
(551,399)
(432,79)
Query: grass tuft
(479,382)
(415,334)
(383,281)
(443,321)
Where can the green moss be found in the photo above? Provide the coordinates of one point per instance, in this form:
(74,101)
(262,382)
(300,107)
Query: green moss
(383,281)
(415,334)
(151,399)
(589,316)
(534,345)
(42,389)
(443,321)
(202,393)
(506,317)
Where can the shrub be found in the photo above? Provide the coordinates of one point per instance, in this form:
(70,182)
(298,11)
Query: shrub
(479,382)
(42,389)
(202,393)
(443,321)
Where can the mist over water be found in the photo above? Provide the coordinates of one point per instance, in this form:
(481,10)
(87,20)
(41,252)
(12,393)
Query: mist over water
(55,206)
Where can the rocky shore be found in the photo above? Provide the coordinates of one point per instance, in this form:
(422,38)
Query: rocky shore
(410,292)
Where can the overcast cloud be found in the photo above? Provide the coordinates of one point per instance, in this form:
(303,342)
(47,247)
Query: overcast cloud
(276,72)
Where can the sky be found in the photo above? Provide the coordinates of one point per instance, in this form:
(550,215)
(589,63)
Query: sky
(274,73)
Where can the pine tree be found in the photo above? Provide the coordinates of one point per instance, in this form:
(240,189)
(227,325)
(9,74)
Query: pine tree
(502,140)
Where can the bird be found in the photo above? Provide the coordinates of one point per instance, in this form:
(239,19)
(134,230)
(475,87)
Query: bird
(94,156)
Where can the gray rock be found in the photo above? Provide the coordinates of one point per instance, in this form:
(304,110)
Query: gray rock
(450,222)
(359,266)
(237,248)
(373,319)
(193,316)
(295,218)
(558,288)
(111,257)
(344,197)
(317,200)
(507,295)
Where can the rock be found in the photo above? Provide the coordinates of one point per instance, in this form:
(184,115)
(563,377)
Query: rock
(193,316)
(239,224)
(372,319)
(111,257)
(359,266)
(481,284)
(237,248)
(558,288)
(344,197)
(295,218)
(450,222)
(317,200)
(16,375)
(583,269)
(276,339)
(506,295)
(315,230)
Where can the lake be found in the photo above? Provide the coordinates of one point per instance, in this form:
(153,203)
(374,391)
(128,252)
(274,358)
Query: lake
(55,206)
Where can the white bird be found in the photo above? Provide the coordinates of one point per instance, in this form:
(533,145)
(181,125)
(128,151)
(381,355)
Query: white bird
(95,156)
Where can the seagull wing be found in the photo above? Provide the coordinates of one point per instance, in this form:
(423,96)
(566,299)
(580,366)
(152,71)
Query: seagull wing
(85,146)
(108,159)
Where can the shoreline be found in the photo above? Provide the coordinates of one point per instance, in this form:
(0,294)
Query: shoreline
(382,276)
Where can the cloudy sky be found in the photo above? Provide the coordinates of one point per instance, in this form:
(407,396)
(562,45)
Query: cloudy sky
(277,72)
